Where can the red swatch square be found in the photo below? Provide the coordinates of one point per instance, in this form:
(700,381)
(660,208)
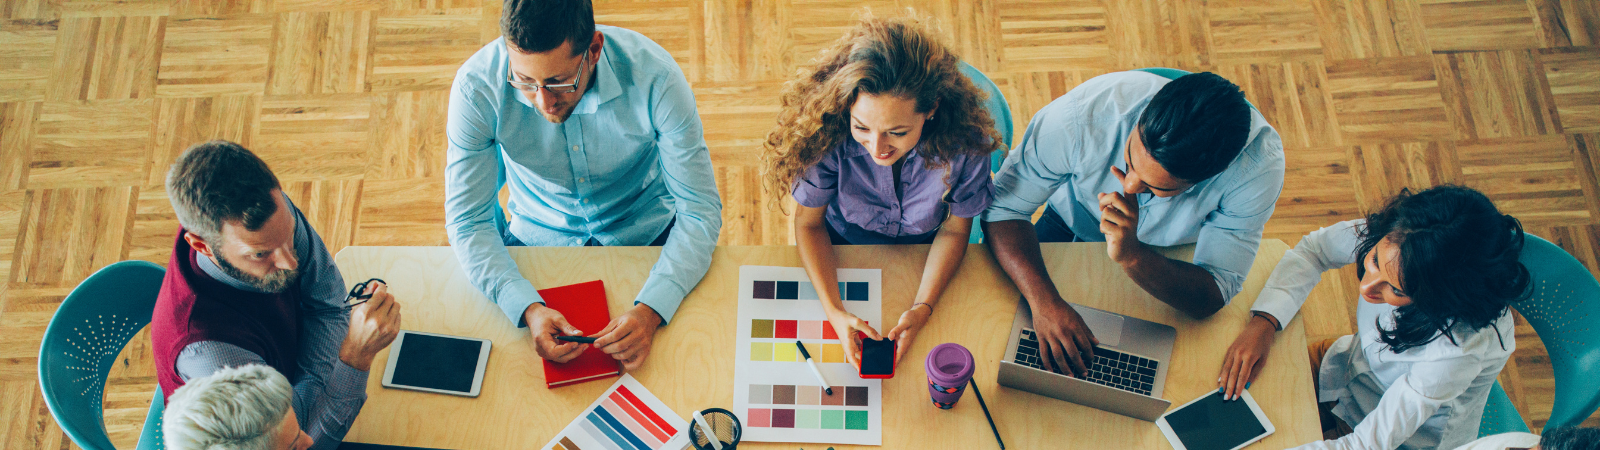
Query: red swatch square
(759,418)
(827,331)
(785,329)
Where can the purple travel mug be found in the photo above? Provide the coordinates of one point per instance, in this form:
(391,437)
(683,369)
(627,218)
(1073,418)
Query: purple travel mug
(949,367)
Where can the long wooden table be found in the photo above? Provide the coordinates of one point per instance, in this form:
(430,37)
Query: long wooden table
(691,364)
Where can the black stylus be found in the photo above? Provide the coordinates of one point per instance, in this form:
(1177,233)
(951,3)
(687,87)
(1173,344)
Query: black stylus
(583,339)
(986,415)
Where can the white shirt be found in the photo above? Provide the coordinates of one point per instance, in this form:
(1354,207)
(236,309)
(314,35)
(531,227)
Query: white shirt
(1503,441)
(1427,397)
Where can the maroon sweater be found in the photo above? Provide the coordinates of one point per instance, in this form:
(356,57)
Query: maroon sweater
(194,307)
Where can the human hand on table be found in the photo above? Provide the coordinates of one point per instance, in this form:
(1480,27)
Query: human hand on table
(1246,356)
(373,326)
(905,332)
(546,324)
(845,325)
(628,337)
(1066,345)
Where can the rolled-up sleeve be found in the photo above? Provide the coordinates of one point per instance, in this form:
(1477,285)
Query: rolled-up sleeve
(819,186)
(1301,268)
(1037,167)
(973,189)
(1230,235)
(686,164)
(473,176)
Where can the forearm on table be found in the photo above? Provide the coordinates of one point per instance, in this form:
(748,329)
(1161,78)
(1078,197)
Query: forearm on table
(1016,248)
(820,262)
(1183,285)
(949,247)
(684,260)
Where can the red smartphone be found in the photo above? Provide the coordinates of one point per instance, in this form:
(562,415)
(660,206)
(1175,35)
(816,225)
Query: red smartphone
(877,357)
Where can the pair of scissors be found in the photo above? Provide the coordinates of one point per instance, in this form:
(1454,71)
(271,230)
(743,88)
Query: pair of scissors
(358,293)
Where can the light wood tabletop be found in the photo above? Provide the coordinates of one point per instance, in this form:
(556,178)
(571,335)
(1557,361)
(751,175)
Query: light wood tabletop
(691,364)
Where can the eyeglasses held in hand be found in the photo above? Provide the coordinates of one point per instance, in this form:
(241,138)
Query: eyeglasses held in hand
(358,293)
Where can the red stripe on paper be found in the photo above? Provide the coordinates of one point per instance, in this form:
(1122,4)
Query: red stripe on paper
(633,412)
(645,409)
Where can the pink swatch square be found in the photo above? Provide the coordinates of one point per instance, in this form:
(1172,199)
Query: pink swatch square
(759,418)
(809,329)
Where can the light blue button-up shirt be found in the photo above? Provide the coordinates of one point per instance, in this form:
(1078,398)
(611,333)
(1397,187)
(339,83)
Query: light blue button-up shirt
(630,159)
(1066,155)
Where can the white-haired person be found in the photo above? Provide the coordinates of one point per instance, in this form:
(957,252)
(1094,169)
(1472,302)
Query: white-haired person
(249,407)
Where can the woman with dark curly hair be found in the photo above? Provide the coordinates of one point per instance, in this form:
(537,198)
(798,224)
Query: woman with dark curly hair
(883,141)
(1439,271)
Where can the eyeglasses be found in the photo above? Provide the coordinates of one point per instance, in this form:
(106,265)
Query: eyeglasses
(553,88)
(358,293)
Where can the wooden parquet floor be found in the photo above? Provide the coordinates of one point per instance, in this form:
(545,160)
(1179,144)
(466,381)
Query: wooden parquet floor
(346,100)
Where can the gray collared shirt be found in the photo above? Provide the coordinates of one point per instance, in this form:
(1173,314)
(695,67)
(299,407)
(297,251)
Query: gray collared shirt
(327,392)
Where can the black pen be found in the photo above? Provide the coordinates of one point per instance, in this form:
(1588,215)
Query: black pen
(813,365)
(986,413)
(582,339)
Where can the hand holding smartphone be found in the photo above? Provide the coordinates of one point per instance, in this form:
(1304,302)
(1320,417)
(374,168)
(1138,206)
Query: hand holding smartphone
(877,357)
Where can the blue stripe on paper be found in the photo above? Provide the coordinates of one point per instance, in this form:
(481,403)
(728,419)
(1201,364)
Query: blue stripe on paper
(624,431)
(611,433)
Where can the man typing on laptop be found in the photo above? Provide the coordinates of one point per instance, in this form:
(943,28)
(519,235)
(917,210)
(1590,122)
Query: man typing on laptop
(1136,160)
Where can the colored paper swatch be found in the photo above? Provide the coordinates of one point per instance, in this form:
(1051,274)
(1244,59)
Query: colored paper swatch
(833,353)
(808,291)
(785,353)
(809,329)
(759,417)
(783,418)
(761,328)
(855,396)
(855,420)
(834,399)
(788,290)
(765,290)
(808,419)
(760,351)
(621,419)
(783,394)
(786,394)
(832,419)
(807,395)
(856,291)
(760,394)
(784,329)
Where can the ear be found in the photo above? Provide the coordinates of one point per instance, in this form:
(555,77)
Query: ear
(934,109)
(596,43)
(199,245)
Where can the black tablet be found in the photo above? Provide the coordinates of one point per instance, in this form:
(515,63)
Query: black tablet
(437,363)
(1211,423)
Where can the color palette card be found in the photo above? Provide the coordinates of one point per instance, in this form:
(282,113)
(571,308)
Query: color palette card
(626,417)
(776,397)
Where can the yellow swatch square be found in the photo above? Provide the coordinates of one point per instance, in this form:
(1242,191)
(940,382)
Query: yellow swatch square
(760,351)
(784,352)
(815,350)
(832,353)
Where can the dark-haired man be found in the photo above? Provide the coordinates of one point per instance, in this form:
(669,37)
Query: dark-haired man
(1137,160)
(250,282)
(594,131)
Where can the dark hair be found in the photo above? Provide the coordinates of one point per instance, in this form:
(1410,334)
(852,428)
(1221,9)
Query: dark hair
(219,181)
(1570,438)
(1195,126)
(537,26)
(1458,262)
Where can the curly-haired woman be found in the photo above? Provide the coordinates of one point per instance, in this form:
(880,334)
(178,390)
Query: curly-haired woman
(883,141)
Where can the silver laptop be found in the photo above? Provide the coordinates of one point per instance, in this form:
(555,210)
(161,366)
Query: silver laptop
(1126,377)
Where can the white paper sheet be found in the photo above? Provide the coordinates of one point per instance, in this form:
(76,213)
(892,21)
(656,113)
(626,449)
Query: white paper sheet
(761,380)
(626,417)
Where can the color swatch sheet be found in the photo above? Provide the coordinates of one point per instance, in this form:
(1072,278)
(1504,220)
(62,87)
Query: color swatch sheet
(626,417)
(775,395)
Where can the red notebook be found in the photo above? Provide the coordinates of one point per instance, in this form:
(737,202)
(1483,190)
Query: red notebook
(584,305)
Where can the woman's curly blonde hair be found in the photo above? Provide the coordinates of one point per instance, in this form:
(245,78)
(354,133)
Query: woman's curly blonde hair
(902,57)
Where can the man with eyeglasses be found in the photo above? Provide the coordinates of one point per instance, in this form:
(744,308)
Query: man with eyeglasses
(594,131)
(1136,160)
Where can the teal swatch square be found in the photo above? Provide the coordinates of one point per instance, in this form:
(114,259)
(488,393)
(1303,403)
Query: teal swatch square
(806,419)
(832,419)
(855,420)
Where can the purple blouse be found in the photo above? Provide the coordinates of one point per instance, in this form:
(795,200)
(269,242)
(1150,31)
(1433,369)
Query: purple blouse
(860,194)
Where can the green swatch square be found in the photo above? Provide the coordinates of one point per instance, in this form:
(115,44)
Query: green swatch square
(855,420)
(761,328)
(832,419)
(805,419)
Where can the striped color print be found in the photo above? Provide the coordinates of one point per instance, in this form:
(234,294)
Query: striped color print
(627,423)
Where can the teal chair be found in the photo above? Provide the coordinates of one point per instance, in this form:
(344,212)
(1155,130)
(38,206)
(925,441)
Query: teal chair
(1563,310)
(82,342)
(1001,113)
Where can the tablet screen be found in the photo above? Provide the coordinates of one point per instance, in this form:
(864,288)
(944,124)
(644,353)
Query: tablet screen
(1214,424)
(437,362)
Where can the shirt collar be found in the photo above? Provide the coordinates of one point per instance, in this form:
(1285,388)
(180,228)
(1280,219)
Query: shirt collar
(604,86)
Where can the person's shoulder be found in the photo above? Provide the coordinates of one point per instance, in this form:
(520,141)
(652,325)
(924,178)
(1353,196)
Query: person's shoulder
(635,55)
(483,68)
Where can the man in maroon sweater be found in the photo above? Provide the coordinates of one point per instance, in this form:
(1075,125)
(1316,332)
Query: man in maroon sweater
(250,282)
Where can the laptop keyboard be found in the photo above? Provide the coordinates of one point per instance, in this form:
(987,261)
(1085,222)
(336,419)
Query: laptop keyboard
(1110,367)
